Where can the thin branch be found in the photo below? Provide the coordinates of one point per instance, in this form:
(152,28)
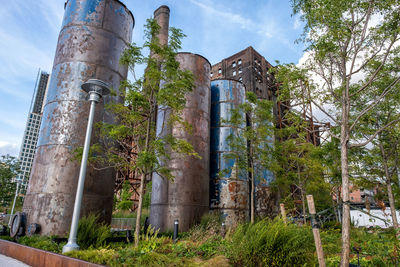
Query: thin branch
(377,70)
(374,135)
(376,102)
(324,111)
(358,48)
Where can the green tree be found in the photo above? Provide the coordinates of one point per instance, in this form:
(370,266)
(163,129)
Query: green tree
(381,158)
(331,161)
(135,133)
(342,38)
(9,169)
(254,134)
(125,202)
(299,163)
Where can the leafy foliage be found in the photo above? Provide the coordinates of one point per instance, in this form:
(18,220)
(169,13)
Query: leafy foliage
(349,46)
(299,162)
(133,145)
(271,243)
(91,233)
(41,242)
(9,169)
(125,202)
(252,132)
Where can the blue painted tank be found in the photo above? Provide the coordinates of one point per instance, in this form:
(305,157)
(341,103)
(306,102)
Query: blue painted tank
(264,198)
(229,187)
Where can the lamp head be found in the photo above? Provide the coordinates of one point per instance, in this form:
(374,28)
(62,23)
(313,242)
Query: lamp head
(98,86)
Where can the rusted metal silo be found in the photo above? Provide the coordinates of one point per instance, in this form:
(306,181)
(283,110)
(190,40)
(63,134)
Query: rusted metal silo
(264,197)
(187,197)
(94,34)
(229,186)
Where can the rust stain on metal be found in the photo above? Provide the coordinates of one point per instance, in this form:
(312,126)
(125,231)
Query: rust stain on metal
(229,185)
(91,40)
(187,197)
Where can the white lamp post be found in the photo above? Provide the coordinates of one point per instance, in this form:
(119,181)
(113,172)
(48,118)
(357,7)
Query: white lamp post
(19,181)
(96,89)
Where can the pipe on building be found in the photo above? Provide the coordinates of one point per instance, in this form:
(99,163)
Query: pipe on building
(187,197)
(93,36)
(229,186)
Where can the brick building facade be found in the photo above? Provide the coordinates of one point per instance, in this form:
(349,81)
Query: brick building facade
(250,68)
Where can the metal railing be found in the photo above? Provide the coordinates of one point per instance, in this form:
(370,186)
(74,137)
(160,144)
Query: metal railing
(121,224)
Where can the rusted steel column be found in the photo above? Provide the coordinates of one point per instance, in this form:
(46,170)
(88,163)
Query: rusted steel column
(94,34)
(229,187)
(186,198)
(161,15)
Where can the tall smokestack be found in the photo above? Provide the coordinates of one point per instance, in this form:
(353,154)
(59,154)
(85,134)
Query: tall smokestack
(161,15)
(93,36)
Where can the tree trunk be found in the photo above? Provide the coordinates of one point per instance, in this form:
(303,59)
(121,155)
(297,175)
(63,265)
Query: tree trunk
(252,192)
(303,199)
(392,205)
(139,209)
(345,254)
(142,182)
(335,210)
(304,206)
(389,189)
(338,201)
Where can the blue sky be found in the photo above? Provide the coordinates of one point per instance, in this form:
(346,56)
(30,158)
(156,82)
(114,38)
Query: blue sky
(215,29)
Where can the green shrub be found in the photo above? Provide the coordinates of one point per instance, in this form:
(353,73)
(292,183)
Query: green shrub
(331,241)
(211,247)
(271,243)
(6,237)
(147,196)
(41,242)
(210,225)
(99,256)
(91,233)
(380,246)
(331,225)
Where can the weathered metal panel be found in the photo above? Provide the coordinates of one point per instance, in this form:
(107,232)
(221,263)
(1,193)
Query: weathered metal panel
(187,197)
(264,198)
(94,33)
(229,187)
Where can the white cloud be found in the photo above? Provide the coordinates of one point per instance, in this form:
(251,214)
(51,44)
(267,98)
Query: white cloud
(9,148)
(264,30)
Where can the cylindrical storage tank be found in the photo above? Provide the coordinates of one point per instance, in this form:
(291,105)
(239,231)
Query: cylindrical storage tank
(187,197)
(94,34)
(229,185)
(264,197)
